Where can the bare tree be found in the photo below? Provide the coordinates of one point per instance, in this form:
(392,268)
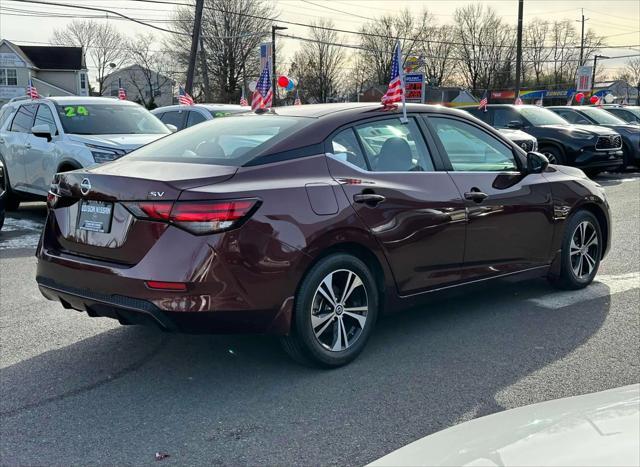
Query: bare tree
(149,70)
(564,54)
(317,64)
(536,53)
(101,44)
(380,37)
(631,73)
(438,52)
(231,34)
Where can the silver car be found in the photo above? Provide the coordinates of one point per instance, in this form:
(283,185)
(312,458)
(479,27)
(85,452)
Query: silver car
(185,116)
(39,138)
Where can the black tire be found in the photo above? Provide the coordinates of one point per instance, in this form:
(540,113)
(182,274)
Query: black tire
(571,257)
(555,155)
(11,199)
(309,348)
(593,172)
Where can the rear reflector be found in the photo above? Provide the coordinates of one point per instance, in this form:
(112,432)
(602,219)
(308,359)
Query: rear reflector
(168,286)
(198,217)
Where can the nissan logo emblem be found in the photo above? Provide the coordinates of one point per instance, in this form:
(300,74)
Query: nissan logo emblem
(85,186)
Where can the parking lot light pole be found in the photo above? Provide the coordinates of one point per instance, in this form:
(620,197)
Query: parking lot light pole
(593,76)
(519,48)
(274,28)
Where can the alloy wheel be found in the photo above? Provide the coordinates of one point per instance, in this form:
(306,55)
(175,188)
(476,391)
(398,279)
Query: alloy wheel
(339,310)
(583,250)
(551,157)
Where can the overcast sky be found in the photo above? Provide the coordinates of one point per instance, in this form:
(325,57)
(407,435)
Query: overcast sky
(617,20)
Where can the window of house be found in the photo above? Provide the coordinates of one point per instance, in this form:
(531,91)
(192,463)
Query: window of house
(83,81)
(8,77)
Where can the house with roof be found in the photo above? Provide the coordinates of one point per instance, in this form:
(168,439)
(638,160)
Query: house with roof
(55,70)
(147,87)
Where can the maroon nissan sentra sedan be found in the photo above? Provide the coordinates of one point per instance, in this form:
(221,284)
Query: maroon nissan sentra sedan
(309,221)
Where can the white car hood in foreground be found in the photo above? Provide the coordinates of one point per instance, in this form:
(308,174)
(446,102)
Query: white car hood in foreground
(127,142)
(600,429)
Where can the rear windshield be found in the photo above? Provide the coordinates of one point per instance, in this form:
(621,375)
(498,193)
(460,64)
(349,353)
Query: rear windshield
(109,119)
(230,141)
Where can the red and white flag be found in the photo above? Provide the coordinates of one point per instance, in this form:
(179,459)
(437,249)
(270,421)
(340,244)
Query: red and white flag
(297,101)
(243,100)
(32,92)
(122,94)
(263,95)
(183,97)
(395,90)
(518,101)
(484,102)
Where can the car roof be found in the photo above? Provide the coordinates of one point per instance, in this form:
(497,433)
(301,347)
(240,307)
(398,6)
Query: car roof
(211,107)
(80,100)
(352,109)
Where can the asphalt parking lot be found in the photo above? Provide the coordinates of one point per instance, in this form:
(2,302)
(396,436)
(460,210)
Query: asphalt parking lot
(80,390)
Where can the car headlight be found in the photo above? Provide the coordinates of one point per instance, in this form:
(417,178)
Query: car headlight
(579,134)
(102,155)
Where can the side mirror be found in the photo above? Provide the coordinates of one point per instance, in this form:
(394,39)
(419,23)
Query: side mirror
(171,127)
(515,125)
(42,131)
(536,163)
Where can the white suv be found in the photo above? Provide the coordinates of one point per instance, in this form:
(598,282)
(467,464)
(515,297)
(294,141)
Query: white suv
(39,138)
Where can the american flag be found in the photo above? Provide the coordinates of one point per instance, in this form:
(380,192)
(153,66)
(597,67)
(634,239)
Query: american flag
(183,97)
(32,92)
(122,94)
(395,90)
(518,100)
(263,95)
(243,100)
(484,102)
(297,101)
(570,99)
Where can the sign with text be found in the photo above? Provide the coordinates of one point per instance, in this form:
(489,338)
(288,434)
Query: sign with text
(414,87)
(583,78)
(265,55)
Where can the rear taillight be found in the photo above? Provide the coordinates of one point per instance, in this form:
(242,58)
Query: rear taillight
(198,217)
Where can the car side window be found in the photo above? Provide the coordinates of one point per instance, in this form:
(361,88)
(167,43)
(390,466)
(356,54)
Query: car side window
(23,121)
(44,116)
(173,117)
(471,149)
(503,116)
(194,118)
(572,117)
(393,146)
(345,147)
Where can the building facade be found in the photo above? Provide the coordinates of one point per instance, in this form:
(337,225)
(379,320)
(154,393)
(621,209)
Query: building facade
(55,71)
(141,85)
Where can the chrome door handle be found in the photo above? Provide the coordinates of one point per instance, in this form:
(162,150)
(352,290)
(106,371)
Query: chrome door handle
(369,198)
(476,196)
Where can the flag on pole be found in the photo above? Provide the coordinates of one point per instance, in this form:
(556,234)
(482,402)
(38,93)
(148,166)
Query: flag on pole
(122,94)
(32,92)
(297,101)
(625,101)
(518,100)
(484,102)
(570,99)
(263,95)
(183,97)
(395,90)
(243,100)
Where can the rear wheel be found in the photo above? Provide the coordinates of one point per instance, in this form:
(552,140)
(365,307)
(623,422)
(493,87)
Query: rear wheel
(581,252)
(554,155)
(335,310)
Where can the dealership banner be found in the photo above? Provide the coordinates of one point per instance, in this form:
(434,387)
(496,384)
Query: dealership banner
(583,78)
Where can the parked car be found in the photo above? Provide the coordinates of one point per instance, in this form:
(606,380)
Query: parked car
(628,113)
(185,116)
(599,429)
(527,142)
(585,115)
(591,148)
(39,138)
(3,195)
(299,223)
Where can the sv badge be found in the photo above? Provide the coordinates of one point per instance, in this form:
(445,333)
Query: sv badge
(156,194)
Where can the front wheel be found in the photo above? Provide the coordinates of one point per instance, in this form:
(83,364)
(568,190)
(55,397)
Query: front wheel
(581,252)
(553,154)
(335,310)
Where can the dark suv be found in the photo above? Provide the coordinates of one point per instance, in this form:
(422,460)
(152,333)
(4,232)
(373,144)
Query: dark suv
(592,148)
(584,115)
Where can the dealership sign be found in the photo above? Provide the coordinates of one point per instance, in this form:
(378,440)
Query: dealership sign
(583,78)
(414,87)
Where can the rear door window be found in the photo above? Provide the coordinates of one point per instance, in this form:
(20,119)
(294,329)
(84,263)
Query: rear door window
(393,146)
(344,147)
(23,121)
(503,116)
(194,118)
(173,117)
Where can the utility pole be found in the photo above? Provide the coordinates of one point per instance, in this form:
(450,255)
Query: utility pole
(195,38)
(582,38)
(519,47)
(274,28)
